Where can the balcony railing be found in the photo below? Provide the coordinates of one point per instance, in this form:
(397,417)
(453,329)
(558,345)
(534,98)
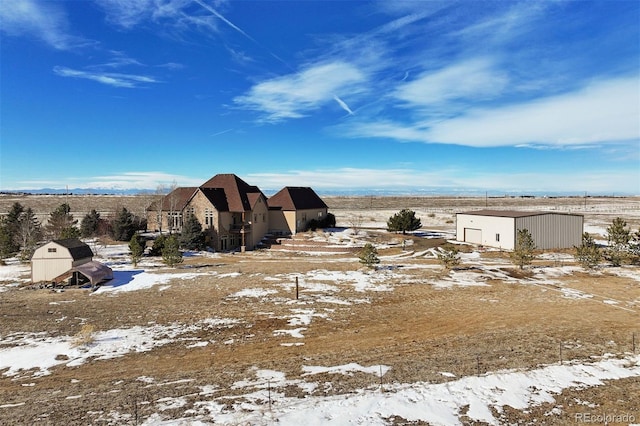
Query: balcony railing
(240,228)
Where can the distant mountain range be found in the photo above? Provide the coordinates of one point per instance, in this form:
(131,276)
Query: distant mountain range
(380,192)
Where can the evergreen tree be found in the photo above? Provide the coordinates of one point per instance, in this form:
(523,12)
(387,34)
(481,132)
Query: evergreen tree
(522,254)
(369,255)
(171,254)
(588,254)
(28,234)
(192,237)
(90,224)
(123,226)
(9,243)
(405,220)
(449,256)
(618,238)
(61,224)
(136,248)
(7,246)
(158,246)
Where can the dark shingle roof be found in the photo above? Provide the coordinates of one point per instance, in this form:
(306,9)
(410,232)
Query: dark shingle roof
(237,192)
(77,248)
(178,197)
(217,198)
(296,198)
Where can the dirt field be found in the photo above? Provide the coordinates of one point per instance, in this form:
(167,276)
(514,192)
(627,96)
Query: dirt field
(413,317)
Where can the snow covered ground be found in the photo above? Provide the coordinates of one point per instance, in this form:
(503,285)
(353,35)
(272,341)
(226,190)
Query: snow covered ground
(30,356)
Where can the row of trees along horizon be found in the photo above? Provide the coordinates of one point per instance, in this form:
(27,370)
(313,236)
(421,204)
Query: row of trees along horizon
(21,232)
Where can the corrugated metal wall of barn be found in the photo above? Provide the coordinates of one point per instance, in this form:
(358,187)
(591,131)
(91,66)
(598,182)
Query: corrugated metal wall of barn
(551,230)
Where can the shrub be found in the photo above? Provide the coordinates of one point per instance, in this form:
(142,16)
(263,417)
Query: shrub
(588,254)
(158,246)
(449,256)
(85,336)
(369,255)
(136,248)
(522,254)
(171,254)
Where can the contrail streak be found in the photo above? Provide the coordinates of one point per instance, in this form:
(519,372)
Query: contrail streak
(343,104)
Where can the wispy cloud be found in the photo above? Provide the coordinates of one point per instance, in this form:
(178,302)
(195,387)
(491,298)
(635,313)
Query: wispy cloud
(118,59)
(476,78)
(44,20)
(295,95)
(605,111)
(108,78)
(450,180)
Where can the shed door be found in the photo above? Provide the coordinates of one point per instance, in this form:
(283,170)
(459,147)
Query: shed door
(472,235)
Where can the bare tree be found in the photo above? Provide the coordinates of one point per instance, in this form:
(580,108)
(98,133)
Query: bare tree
(161,192)
(28,233)
(173,203)
(356,223)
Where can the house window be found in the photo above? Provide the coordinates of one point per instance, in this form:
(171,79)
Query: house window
(319,215)
(52,250)
(498,237)
(208,217)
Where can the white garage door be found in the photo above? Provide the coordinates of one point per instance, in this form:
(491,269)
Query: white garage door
(472,235)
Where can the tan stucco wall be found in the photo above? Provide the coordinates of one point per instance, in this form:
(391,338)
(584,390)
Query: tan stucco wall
(278,223)
(259,219)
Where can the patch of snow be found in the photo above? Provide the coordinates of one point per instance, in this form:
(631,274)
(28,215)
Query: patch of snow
(254,292)
(296,332)
(346,369)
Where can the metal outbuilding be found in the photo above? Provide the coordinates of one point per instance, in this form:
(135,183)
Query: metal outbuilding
(498,228)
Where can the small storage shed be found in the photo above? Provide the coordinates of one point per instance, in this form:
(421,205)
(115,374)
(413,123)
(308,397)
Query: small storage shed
(498,228)
(58,260)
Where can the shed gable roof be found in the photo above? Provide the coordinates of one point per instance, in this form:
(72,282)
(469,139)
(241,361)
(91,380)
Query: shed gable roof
(296,198)
(77,249)
(238,193)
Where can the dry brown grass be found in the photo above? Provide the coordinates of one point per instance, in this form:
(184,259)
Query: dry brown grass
(417,330)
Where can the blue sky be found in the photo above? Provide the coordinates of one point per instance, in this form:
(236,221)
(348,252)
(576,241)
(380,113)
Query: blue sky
(469,96)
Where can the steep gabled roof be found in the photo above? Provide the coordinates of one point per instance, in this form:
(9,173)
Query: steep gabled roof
(237,192)
(77,248)
(217,198)
(296,198)
(179,198)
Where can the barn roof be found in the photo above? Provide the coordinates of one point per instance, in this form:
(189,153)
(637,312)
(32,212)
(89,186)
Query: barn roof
(296,198)
(238,193)
(77,248)
(513,213)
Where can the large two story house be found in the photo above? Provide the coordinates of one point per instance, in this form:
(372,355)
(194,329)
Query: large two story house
(234,214)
